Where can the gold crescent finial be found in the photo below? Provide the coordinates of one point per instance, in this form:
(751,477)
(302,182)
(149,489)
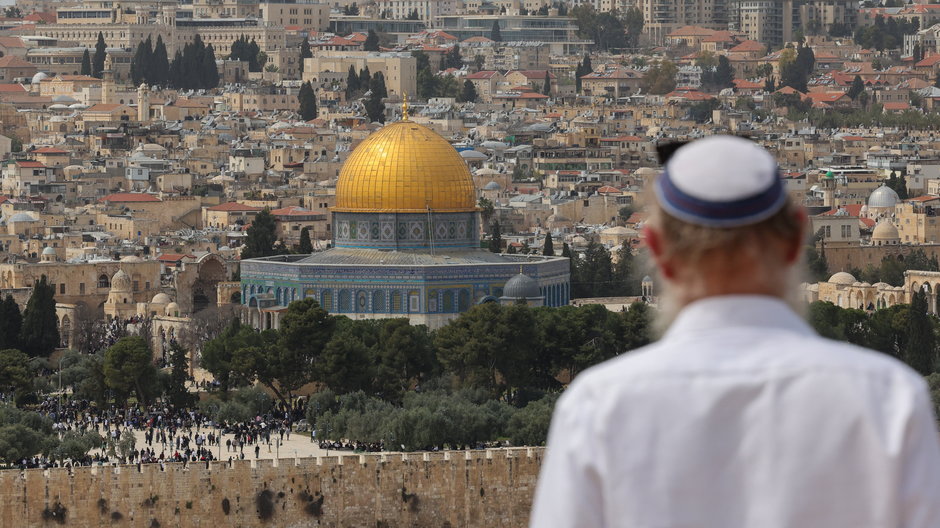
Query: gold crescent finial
(404,106)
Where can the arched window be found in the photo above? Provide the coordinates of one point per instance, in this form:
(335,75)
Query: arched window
(447,305)
(345,301)
(463,301)
(104,281)
(326,300)
(378,301)
(396,302)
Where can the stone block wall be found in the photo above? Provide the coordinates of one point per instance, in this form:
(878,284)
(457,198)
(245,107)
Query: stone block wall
(491,488)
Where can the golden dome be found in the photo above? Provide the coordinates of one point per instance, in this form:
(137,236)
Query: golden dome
(405,167)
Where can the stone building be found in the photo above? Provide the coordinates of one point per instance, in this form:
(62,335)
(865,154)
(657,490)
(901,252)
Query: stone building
(406,240)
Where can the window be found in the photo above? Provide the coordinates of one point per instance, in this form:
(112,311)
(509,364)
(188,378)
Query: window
(846,231)
(81,288)
(828,231)
(62,289)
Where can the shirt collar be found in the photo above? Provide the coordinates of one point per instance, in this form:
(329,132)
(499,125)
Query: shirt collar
(736,311)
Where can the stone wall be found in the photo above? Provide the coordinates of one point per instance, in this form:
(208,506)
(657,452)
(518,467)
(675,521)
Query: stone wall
(447,489)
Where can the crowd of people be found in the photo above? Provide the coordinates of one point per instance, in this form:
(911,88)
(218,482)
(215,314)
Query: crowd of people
(168,435)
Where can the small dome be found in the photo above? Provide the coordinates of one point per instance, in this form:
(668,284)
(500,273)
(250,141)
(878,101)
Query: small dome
(172,309)
(22,217)
(131,258)
(521,287)
(48,251)
(39,77)
(856,284)
(842,278)
(866,285)
(161,298)
(883,197)
(120,282)
(579,241)
(67,99)
(885,231)
(492,186)
(881,285)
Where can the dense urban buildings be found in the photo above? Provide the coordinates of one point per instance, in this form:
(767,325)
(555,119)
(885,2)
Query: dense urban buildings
(294,201)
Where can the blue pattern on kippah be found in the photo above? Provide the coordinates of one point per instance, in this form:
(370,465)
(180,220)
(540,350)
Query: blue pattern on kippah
(745,211)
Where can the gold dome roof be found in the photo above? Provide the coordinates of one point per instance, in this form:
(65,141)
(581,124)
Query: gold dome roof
(405,167)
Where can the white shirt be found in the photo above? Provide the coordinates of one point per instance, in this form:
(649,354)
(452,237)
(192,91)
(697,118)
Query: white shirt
(741,416)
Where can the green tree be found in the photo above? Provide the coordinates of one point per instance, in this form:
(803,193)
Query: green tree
(633,26)
(469,93)
(453,59)
(494,32)
(217,354)
(15,375)
(128,368)
(306,247)
(660,78)
(11,323)
(160,64)
(306,328)
(724,73)
(86,63)
(547,84)
(344,364)
(40,330)
(921,350)
(858,86)
(97,63)
(372,42)
(548,247)
(141,63)
(428,84)
(177,393)
(403,356)
(352,83)
(308,102)
(529,425)
(261,236)
(496,237)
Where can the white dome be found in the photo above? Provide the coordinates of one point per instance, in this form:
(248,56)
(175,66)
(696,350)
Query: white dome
(883,197)
(171,309)
(161,298)
(120,282)
(885,231)
(22,217)
(39,77)
(842,278)
(48,251)
(67,99)
(881,285)
(492,186)
(131,258)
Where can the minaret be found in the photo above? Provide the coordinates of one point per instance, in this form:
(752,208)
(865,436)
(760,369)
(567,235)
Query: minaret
(143,103)
(107,81)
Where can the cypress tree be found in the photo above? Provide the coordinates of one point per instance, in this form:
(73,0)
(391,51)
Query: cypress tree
(352,83)
(547,86)
(365,79)
(261,236)
(920,352)
(496,237)
(209,71)
(86,63)
(176,75)
(161,64)
(494,32)
(11,323)
(40,331)
(308,102)
(548,248)
(469,94)
(306,246)
(138,66)
(372,42)
(97,65)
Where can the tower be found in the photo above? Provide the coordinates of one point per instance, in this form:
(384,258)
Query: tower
(107,81)
(143,103)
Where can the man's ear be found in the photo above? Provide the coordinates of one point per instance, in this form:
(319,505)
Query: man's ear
(654,242)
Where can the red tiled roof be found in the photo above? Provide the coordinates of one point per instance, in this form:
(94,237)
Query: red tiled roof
(233,206)
(14,62)
(607,189)
(12,42)
(31,164)
(129,197)
(747,46)
(533,74)
(619,139)
(744,84)
(485,74)
(12,88)
(896,106)
(50,150)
